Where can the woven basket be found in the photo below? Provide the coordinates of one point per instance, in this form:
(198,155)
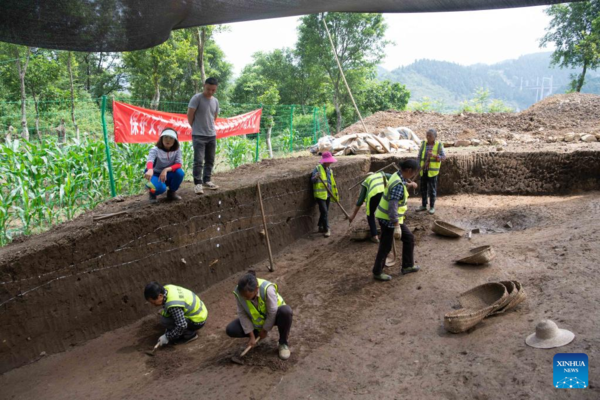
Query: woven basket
(445,229)
(512,293)
(360,234)
(487,295)
(519,297)
(479,255)
(458,321)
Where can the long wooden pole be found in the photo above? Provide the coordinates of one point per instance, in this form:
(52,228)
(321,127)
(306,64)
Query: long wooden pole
(379,170)
(264,218)
(337,201)
(343,75)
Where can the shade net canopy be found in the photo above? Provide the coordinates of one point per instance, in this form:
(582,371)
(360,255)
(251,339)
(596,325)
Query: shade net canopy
(124,25)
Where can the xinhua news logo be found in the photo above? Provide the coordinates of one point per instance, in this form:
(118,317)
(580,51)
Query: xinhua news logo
(571,371)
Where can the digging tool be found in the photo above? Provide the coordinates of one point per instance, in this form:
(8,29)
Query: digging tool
(105,216)
(333,197)
(388,262)
(151,353)
(363,179)
(238,360)
(264,218)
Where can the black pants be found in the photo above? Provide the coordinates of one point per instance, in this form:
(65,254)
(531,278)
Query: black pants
(204,157)
(190,331)
(373,204)
(324,210)
(385,246)
(283,321)
(428,187)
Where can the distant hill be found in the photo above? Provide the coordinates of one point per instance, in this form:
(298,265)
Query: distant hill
(516,82)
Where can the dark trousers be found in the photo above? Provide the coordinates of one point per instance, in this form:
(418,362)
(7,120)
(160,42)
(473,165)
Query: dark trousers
(428,187)
(373,204)
(204,157)
(324,210)
(189,331)
(283,321)
(385,246)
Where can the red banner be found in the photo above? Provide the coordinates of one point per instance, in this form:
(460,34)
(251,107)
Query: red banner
(140,125)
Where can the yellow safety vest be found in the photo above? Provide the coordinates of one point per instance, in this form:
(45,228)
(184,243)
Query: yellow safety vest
(319,189)
(434,166)
(382,209)
(194,308)
(374,184)
(258,315)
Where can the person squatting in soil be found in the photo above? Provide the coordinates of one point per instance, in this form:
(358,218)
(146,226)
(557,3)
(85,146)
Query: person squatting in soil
(163,166)
(203,111)
(431,156)
(390,213)
(259,308)
(371,191)
(324,174)
(183,312)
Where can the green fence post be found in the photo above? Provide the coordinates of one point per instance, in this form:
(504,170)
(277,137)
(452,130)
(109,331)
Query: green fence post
(113,192)
(292,129)
(257,141)
(315,122)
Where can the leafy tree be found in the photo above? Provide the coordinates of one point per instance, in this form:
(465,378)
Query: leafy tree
(575,31)
(382,95)
(101,73)
(358,42)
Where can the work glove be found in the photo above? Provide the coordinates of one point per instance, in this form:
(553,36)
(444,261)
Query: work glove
(163,341)
(397,232)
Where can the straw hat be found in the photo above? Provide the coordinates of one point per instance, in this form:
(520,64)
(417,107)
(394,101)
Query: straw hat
(326,157)
(547,336)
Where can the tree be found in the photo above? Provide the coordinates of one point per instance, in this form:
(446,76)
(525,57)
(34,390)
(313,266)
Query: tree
(382,95)
(100,73)
(575,31)
(21,56)
(358,42)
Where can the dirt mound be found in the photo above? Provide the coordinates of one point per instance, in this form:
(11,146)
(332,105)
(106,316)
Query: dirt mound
(553,116)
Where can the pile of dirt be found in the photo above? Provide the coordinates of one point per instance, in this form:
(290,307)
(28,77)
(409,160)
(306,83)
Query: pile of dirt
(552,117)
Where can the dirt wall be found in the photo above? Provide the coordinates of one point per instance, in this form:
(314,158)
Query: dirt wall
(536,173)
(82,279)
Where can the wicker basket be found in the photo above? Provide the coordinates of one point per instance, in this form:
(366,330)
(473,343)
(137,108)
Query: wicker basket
(479,255)
(487,295)
(360,234)
(512,293)
(445,229)
(458,321)
(519,297)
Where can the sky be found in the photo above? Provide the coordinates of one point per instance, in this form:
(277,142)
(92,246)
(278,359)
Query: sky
(462,37)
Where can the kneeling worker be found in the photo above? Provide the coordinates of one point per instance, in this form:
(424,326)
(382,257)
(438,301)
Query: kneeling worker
(260,307)
(371,192)
(183,312)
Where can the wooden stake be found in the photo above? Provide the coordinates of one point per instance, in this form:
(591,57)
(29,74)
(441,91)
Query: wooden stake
(262,210)
(333,197)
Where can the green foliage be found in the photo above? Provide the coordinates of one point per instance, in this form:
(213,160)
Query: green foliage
(382,95)
(481,103)
(575,31)
(427,105)
(238,150)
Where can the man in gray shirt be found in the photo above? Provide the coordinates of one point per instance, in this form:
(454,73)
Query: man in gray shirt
(203,111)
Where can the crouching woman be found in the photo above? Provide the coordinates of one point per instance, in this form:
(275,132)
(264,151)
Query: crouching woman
(163,166)
(259,308)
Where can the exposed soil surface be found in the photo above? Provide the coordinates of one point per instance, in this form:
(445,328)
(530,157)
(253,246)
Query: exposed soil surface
(553,116)
(356,338)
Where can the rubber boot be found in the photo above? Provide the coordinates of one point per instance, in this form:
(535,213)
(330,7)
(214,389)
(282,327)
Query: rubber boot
(173,196)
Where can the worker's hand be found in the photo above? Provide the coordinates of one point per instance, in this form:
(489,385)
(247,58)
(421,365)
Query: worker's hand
(252,341)
(351,219)
(163,341)
(397,232)
(412,185)
(163,175)
(148,174)
(263,334)
(438,158)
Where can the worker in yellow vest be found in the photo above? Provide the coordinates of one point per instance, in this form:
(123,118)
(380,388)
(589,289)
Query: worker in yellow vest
(323,175)
(390,213)
(183,312)
(259,308)
(431,156)
(371,192)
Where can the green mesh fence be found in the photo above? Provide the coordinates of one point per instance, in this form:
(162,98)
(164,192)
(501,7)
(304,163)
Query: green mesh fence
(61,171)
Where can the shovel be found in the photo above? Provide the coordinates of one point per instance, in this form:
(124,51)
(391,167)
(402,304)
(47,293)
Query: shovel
(391,262)
(238,360)
(151,353)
